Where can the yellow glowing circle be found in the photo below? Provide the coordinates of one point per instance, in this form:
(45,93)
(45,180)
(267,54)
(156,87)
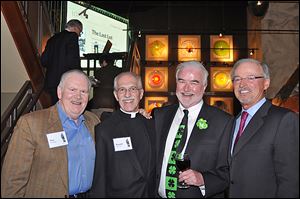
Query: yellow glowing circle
(221,48)
(221,79)
(157,48)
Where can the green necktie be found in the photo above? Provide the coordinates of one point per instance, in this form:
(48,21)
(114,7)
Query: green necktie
(172,173)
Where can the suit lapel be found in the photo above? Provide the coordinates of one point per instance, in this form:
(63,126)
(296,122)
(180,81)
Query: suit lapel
(252,128)
(197,133)
(60,153)
(166,121)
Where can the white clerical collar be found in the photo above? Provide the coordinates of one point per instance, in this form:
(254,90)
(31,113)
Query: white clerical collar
(132,114)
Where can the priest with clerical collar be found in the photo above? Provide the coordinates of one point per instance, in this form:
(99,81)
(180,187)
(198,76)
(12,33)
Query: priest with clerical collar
(125,148)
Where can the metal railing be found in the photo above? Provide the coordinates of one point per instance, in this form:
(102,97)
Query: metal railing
(24,102)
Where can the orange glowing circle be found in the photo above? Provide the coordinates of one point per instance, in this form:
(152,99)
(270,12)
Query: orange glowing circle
(156,79)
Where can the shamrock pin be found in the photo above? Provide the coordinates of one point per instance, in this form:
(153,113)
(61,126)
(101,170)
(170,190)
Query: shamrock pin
(202,124)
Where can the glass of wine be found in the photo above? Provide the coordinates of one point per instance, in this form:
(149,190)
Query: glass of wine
(183,163)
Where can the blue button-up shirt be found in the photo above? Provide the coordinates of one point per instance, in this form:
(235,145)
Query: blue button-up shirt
(81,153)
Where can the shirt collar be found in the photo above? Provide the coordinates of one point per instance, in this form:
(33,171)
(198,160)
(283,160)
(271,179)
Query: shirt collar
(194,110)
(253,109)
(132,114)
(63,116)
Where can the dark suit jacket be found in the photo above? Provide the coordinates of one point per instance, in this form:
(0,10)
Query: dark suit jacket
(204,146)
(119,174)
(60,55)
(265,161)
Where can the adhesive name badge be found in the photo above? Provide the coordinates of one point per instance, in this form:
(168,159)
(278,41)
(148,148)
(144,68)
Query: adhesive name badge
(57,139)
(122,144)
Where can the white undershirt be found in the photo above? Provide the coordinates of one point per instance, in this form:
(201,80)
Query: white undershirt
(192,117)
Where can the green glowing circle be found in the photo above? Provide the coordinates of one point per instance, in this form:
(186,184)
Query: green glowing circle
(221,48)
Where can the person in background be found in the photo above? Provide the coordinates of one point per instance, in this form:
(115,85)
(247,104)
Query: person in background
(125,147)
(51,153)
(60,55)
(103,97)
(263,154)
(203,136)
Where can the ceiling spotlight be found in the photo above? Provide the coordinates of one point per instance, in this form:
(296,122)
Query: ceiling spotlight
(258,8)
(139,34)
(220,34)
(251,52)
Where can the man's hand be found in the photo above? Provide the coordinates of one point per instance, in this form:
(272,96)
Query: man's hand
(191,177)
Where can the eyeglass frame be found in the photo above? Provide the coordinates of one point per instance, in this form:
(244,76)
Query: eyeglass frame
(132,90)
(249,78)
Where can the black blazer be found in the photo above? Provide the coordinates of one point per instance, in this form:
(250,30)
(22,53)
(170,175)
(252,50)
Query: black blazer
(204,146)
(265,161)
(60,55)
(120,174)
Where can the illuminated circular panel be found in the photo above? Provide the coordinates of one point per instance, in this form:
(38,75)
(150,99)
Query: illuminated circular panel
(156,79)
(189,48)
(219,45)
(157,48)
(221,79)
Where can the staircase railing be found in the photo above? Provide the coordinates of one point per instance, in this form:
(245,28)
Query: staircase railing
(24,102)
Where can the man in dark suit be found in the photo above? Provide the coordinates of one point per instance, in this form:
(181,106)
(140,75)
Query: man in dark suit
(103,93)
(208,130)
(264,162)
(60,55)
(263,154)
(125,148)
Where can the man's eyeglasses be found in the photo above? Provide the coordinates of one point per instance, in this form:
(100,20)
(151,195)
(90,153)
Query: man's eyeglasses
(250,78)
(132,90)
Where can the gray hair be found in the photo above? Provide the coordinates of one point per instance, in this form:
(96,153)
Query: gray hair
(193,64)
(137,77)
(70,72)
(74,23)
(264,66)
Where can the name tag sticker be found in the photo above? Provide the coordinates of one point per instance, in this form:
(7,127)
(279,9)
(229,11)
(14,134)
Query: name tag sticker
(57,139)
(122,144)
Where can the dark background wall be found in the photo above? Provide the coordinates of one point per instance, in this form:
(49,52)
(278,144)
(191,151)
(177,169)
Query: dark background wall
(175,18)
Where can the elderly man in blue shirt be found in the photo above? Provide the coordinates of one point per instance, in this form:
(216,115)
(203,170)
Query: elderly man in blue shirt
(52,151)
